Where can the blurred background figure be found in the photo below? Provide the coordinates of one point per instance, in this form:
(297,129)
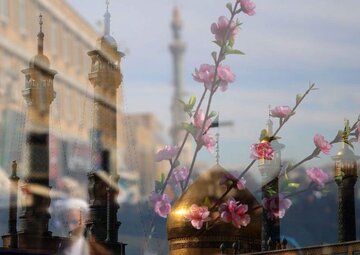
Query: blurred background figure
(70,216)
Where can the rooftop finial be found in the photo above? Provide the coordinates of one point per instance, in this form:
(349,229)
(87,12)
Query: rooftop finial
(176,23)
(107,19)
(14,168)
(269,124)
(40,36)
(40,22)
(217,148)
(346,132)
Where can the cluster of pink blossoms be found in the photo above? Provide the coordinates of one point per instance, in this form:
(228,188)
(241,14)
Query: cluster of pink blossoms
(322,144)
(204,137)
(234,212)
(206,74)
(179,174)
(280,111)
(276,206)
(160,203)
(197,215)
(318,176)
(262,150)
(167,153)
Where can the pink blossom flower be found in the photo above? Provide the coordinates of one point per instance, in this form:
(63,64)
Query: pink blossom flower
(224,31)
(247,7)
(198,215)
(234,212)
(276,206)
(199,120)
(226,76)
(262,151)
(230,177)
(318,176)
(179,174)
(160,204)
(167,153)
(322,144)
(205,74)
(240,185)
(280,111)
(209,142)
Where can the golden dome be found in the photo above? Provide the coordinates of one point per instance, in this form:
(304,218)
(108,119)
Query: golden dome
(184,239)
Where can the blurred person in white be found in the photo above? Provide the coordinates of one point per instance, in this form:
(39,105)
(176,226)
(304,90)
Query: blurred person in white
(71,215)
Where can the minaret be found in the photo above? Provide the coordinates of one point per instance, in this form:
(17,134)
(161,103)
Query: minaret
(105,76)
(269,170)
(38,93)
(345,178)
(177,49)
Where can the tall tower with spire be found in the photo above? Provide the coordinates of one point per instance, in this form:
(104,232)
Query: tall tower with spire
(38,93)
(345,178)
(269,170)
(177,49)
(105,77)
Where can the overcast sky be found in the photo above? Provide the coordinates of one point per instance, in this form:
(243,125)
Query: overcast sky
(287,44)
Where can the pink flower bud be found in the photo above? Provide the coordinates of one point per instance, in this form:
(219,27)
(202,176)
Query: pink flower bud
(280,111)
(247,7)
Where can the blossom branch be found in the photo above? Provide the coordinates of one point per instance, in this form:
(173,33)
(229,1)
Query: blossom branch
(220,58)
(172,166)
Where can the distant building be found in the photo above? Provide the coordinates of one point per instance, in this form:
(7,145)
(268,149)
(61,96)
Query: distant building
(143,140)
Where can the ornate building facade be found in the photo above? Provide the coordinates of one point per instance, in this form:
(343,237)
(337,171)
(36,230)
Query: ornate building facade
(68,39)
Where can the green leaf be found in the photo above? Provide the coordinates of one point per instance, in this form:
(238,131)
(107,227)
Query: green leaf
(263,135)
(162,178)
(298,98)
(231,42)
(183,103)
(233,51)
(217,43)
(312,87)
(192,101)
(152,231)
(270,191)
(190,128)
(212,114)
(229,7)
(158,186)
(293,185)
(214,55)
(207,202)
(176,163)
